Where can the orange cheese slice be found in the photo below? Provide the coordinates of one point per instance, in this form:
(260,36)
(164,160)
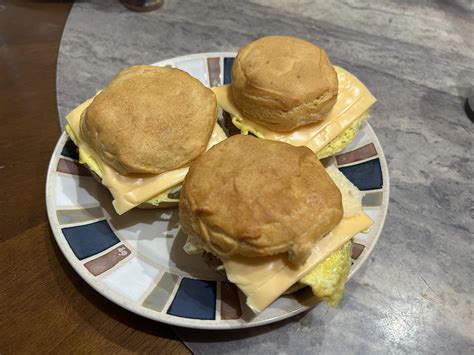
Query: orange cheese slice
(265,279)
(353,101)
(130,191)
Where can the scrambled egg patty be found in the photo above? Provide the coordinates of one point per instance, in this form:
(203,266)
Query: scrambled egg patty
(327,280)
(87,159)
(334,147)
(244,129)
(84,157)
(342,140)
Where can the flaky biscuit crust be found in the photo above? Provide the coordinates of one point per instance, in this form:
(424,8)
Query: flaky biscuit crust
(150,120)
(257,197)
(283,82)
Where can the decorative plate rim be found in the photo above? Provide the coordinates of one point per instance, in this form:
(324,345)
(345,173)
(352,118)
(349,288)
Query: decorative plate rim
(139,309)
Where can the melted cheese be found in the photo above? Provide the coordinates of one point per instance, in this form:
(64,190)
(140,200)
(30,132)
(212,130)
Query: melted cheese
(263,280)
(131,190)
(353,100)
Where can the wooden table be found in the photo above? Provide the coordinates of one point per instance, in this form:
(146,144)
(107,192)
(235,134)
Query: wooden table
(44,304)
(415,292)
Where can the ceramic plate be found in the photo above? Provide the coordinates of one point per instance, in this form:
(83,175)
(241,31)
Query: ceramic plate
(136,260)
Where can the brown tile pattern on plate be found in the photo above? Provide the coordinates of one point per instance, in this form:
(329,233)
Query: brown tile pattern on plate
(72,167)
(230,304)
(362,153)
(107,261)
(357,249)
(214,68)
(79,215)
(158,297)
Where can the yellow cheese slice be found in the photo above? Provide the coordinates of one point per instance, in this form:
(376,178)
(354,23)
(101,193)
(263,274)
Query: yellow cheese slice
(265,279)
(353,100)
(131,190)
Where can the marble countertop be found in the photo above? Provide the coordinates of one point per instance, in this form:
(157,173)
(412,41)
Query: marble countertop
(415,293)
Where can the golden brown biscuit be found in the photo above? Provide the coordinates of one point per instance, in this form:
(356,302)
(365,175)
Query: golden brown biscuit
(257,197)
(283,82)
(150,120)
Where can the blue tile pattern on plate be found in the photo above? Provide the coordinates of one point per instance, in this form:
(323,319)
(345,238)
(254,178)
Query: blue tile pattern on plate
(228,62)
(70,150)
(90,239)
(366,176)
(195,299)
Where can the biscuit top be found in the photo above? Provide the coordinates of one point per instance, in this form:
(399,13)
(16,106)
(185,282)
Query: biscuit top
(150,120)
(283,82)
(257,197)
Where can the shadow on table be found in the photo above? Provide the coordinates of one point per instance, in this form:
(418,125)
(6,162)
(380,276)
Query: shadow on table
(216,336)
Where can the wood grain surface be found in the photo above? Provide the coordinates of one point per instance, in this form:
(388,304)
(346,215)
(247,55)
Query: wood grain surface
(44,304)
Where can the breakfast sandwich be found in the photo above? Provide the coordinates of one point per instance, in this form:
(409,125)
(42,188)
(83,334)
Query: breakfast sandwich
(286,89)
(139,134)
(274,216)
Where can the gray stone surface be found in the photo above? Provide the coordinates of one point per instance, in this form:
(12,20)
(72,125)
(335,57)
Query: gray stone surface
(415,293)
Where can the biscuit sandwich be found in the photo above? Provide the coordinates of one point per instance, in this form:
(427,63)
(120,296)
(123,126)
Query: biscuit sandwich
(274,216)
(284,88)
(139,134)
